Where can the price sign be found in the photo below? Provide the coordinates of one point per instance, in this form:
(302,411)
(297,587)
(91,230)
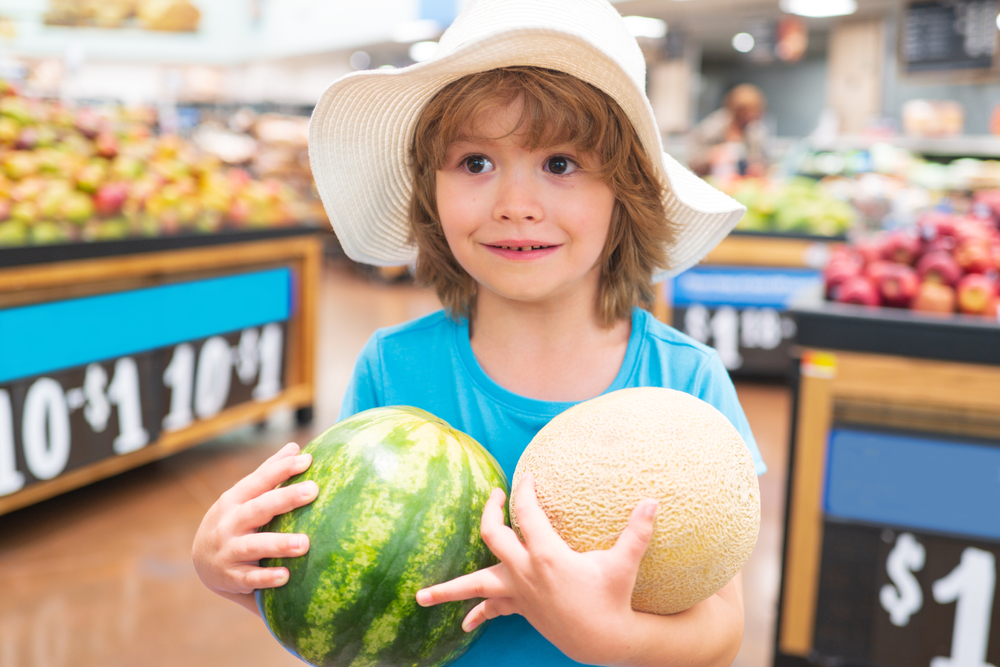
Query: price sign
(911,542)
(54,423)
(740,311)
(204,377)
(100,404)
(903,598)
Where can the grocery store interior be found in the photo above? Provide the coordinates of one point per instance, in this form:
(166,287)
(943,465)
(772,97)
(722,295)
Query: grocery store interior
(174,306)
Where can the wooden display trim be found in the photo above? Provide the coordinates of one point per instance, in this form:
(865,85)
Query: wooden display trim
(762,250)
(805,515)
(959,392)
(11,256)
(302,254)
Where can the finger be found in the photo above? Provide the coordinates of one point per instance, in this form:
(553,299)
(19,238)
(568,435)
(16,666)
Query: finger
(250,578)
(291,449)
(632,543)
(270,474)
(500,538)
(531,518)
(249,549)
(487,610)
(257,512)
(491,582)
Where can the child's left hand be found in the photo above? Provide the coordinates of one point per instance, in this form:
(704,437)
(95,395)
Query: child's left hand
(581,602)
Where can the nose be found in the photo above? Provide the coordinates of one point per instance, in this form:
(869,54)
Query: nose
(517,198)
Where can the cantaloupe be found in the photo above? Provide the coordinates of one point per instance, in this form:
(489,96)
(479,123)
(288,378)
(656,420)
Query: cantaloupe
(594,462)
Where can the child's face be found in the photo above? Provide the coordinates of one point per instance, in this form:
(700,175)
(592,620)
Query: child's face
(528,225)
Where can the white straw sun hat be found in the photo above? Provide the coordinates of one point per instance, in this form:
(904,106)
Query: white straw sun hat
(362,127)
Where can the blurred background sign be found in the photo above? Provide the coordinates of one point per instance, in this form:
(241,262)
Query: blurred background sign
(952,35)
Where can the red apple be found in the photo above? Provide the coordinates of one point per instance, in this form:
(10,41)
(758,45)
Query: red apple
(974,256)
(27,140)
(109,199)
(898,285)
(993,309)
(942,243)
(989,199)
(88,122)
(934,298)
(940,267)
(937,224)
(976,293)
(870,248)
(902,247)
(875,270)
(842,251)
(837,272)
(106,144)
(858,290)
(970,228)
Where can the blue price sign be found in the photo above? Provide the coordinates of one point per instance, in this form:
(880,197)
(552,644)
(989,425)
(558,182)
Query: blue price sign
(740,311)
(86,379)
(910,548)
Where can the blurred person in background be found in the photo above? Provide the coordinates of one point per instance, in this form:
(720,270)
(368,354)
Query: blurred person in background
(732,140)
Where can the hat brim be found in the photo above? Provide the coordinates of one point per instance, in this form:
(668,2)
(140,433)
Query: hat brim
(362,128)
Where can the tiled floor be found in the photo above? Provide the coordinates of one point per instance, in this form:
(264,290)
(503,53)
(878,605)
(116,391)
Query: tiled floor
(102,576)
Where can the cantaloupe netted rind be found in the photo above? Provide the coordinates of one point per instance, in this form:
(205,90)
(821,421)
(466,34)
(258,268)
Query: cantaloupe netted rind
(594,463)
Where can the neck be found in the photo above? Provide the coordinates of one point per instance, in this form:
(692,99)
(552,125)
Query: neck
(549,351)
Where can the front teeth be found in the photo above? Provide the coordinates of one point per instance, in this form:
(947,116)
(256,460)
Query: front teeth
(522,248)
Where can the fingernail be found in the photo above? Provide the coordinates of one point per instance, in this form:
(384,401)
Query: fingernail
(650,509)
(308,489)
(423,597)
(299,541)
(281,577)
(303,459)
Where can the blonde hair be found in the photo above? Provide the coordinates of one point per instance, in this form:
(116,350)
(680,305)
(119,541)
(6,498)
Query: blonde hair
(556,108)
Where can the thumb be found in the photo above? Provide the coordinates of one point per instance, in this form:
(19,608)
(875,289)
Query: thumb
(632,543)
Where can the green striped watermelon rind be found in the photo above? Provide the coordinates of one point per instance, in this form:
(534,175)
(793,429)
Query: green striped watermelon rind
(383,543)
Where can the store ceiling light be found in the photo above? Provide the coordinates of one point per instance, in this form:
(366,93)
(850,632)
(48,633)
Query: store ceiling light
(422,51)
(644,26)
(415,31)
(743,42)
(819,8)
(998,21)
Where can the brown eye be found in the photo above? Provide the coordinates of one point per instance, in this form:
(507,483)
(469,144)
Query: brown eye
(478,164)
(560,165)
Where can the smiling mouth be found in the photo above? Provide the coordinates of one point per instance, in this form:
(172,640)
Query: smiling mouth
(522,248)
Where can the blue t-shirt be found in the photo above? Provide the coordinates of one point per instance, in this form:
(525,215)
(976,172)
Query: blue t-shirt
(429,364)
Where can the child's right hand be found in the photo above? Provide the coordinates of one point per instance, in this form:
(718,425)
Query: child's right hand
(227,547)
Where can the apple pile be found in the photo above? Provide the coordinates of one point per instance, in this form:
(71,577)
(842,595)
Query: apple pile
(948,264)
(84,174)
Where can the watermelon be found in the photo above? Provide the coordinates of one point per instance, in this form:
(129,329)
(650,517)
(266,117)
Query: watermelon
(401,494)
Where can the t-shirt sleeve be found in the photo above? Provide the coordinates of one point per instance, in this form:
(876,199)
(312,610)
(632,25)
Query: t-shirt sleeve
(363,391)
(714,386)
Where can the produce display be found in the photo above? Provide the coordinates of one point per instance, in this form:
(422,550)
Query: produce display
(400,500)
(169,15)
(798,205)
(948,263)
(890,186)
(595,462)
(89,174)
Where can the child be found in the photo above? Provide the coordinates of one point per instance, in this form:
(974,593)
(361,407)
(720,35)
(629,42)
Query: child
(521,167)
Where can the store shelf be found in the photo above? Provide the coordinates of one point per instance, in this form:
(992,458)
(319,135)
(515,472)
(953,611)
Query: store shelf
(978,146)
(898,332)
(43,254)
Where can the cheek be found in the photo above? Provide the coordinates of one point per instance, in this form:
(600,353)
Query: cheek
(595,216)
